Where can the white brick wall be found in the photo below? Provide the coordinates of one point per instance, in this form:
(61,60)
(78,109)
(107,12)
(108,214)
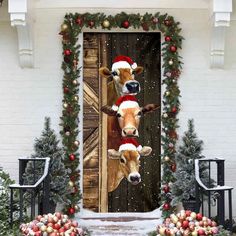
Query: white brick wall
(28,95)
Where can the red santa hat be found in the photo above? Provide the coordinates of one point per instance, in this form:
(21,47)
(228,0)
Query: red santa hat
(123,62)
(126,101)
(129,144)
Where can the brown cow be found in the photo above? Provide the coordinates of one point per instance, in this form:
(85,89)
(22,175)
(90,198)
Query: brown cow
(125,164)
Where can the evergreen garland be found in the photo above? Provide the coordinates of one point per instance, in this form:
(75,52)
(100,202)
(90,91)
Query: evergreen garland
(73,25)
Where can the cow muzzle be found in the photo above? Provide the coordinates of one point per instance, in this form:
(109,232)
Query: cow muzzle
(130,132)
(131,87)
(134,178)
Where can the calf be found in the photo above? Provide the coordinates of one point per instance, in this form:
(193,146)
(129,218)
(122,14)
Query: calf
(125,163)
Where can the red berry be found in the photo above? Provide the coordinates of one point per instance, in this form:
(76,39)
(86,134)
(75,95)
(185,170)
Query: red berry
(167,38)
(79,21)
(67,52)
(166,206)
(174,109)
(125,24)
(173,48)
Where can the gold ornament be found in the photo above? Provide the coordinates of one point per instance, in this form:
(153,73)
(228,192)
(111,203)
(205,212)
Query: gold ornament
(166,158)
(64,27)
(167,93)
(171,62)
(65,105)
(71,183)
(49,229)
(165,115)
(76,142)
(105,23)
(67,133)
(75,82)
(76,207)
(76,98)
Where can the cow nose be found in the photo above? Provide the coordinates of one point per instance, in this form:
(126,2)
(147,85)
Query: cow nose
(133,86)
(135,179)
(129,132)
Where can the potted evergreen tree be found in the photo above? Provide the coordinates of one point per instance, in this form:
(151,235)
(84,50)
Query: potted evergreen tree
(47,146)
(183,189)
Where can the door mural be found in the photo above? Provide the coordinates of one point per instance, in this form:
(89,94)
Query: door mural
(101,132)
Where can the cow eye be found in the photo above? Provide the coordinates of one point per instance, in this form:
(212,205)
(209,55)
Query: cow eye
(123,160)
(133,72)
(139,113)
(118,115)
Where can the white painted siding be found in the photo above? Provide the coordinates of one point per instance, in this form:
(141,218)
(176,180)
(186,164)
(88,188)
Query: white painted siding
(28,95)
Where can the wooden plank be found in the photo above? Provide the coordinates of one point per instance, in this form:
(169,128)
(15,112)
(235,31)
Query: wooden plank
(103,193)
(91,97)
(90,178)
(91,73)
(90,40)
(91,203)
(90,58)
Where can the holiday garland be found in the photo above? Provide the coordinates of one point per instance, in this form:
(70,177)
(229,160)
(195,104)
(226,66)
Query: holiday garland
(73,25)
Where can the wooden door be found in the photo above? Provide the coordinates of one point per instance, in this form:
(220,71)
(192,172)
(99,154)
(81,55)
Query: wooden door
(143,48)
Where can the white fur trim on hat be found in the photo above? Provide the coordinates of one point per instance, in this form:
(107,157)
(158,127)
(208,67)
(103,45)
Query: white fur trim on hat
(134,65)
(128,104)
(115,108)
(120,64)
(127,146)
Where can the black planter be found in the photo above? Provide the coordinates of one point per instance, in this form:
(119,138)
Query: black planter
(191,205)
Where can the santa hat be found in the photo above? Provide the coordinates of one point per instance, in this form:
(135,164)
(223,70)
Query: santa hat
(126,101)
(129,144)
(123,62)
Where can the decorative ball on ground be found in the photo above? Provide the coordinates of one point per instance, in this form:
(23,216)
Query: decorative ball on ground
(170,62)
(76,143)
(106,23)
(167,38)
(72,157)
(64,27)
(125,24)
(173,48)
(67,52)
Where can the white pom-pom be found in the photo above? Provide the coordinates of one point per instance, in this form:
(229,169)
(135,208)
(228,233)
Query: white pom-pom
(115,108)
(134,65)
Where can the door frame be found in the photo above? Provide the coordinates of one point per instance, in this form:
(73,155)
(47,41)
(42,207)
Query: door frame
(103,195)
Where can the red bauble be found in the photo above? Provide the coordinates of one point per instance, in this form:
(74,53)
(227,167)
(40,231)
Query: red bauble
(174,109)
(71,211)
(166,189)
(173,48)
(91,24)
(66,90)
(173,134)
(37,233)
(79,21)
(125,24)
(167,38)
(56,226)
(185,224)
(167,22)
(72,157)
(35,228)
(145,26)
(166,206)
(73,234)
(173,167)
(201,232)
(67,52)
(155,20)
(199,216)
(188,213)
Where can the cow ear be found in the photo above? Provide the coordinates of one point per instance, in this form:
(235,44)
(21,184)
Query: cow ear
(138,70)
(149,108)
(108,110)
(105,72)
(113,154)
(145,151)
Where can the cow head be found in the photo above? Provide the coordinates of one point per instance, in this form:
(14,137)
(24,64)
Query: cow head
(129,162)
(123,79)
(129,117)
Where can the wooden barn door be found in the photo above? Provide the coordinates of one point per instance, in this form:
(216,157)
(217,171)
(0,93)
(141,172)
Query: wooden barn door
(99,50)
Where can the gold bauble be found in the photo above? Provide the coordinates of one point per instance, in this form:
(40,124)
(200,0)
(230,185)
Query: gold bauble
(64,27)
(65,105)
(71,183)
(76,98)
(75,82)
(105,23)
(76,143)
(166,158)
(76,207)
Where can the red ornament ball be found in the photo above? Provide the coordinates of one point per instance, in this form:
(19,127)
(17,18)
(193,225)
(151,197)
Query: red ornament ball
(145,26)
(167,38)
(166,188)
(67,52)
(72,157)
(167,22)
(125,24)
(173,48)
(188,212)
(66,90)
(199,216)
(71,211)
(174,109)
(185,224)
(201,232)
(173,167)
(79,21)
(91,24)
(155,20)
(166,206)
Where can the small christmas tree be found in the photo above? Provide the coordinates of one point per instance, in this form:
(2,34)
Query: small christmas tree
(47,146)
(190,150)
